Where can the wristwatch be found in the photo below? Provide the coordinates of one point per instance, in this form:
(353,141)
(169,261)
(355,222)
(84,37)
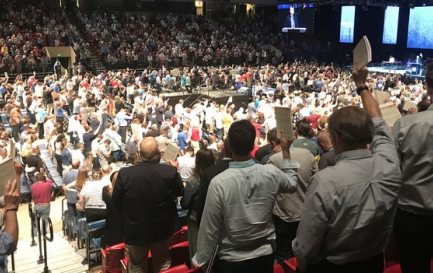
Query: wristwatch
(359,90)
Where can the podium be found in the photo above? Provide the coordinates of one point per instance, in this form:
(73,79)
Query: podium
(294,30)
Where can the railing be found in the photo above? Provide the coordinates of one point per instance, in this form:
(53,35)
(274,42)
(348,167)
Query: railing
(46,221)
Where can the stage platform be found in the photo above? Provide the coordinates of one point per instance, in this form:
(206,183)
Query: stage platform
(239,99)
(386,70)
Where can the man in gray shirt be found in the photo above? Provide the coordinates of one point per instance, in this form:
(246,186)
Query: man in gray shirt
(349,208)
(71,196)
(288,207)
(238,211)
(414,220)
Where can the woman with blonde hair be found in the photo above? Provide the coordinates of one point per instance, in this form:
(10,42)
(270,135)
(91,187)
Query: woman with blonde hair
(77,185)
(90,198)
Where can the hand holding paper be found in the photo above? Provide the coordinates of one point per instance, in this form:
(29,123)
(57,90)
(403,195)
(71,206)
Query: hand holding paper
(362,54)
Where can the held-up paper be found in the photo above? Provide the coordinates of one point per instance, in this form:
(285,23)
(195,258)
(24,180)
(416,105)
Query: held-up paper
(408,105)
(362,54)
(7,173)
(382,97)
(390,113)
(170,153)
(283,117)
(11,149)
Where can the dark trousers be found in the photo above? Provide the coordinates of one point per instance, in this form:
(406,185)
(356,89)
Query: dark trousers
(264,264)
(94,214)
(285,233)
(371,265)
(41,130)
(72,210)
(414,235)
(122,132)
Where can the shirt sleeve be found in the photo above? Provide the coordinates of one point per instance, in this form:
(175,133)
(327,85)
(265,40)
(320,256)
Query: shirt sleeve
(210,225)
(386,160)
(6,243)
(287,178)
(312,227)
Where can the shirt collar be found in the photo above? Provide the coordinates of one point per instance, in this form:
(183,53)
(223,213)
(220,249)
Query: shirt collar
(241,164)
(354,154)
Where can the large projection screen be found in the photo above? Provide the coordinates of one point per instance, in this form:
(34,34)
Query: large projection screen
(420,28)
(390,25)
(347,24)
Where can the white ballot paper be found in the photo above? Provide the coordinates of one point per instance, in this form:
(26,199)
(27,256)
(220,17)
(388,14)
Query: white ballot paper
(409,105)
(390,113)
(362,54)
(382,97)
(283,117)
(11,149)
(7,173)
(171,152)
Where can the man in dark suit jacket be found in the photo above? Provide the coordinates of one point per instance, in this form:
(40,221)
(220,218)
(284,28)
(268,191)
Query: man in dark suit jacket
(145,195)
(328,158)
(208,175)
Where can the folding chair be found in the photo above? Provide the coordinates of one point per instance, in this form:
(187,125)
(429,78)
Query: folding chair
(94,231)
(179,236)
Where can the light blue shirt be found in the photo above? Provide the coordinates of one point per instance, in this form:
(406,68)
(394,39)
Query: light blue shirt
(238,211)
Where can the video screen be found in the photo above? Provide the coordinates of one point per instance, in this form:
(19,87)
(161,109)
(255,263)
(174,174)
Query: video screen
(347,24)
(296,18)
(390,25)
(420,27)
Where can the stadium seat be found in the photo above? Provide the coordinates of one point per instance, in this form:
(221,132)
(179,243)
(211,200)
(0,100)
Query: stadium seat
(278,268)
(292,263)
(180,254)
(177,269)
(179,236)
(124,265)
(94,230)
(111,257)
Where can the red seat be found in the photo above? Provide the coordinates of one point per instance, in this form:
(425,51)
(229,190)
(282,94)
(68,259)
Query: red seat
(292,263)
(179,254)
(278,268)
(179,236)
(177,269)
(124,265)
(111,257)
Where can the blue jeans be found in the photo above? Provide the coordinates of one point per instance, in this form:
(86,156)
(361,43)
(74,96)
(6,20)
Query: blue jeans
(43,210)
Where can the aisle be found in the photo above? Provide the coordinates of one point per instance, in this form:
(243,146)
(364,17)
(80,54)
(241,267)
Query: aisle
(62,257)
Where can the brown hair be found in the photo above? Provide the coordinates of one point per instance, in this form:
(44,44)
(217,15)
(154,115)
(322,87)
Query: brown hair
(82,178)
(352,125)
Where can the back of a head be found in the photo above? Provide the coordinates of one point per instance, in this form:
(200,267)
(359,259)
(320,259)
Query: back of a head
(226,150)
(189,150)
(106,169)
(40,177)
(203,159)
(303,128)
(324,140)
(75,163)
(273,137)
(352,125)
(149,149)
(242,135)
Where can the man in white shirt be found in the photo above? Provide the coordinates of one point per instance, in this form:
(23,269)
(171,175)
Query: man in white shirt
(186,164)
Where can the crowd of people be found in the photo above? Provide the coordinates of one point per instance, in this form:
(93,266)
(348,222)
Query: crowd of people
(175,40)
(26,28)
(108,133)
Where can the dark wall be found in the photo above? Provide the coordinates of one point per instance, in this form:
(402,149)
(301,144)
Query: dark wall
(370,23)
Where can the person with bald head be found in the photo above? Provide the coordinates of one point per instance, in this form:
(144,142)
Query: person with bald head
(144,195)
(328,158)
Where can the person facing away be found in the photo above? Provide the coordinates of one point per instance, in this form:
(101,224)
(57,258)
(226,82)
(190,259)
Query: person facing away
(42,191)
(413,227)
(144,196)
(238,211)
(349,208)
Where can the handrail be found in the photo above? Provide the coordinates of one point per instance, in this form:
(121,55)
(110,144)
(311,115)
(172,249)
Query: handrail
(46,221)
(41,257)
(32,224)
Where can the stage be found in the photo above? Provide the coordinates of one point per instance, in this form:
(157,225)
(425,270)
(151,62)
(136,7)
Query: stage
(239,99)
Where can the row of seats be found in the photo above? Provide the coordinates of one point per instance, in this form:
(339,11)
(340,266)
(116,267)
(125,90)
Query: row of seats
(114,260)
